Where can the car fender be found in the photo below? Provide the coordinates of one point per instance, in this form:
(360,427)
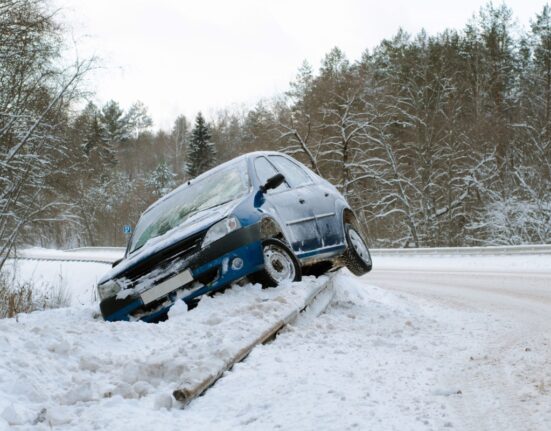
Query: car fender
(271,228)
(341,206)
(271,225)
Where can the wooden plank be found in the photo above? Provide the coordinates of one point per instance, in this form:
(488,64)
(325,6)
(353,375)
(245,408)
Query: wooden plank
(186,394)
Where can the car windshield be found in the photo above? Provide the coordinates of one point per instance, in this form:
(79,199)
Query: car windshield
(221,187)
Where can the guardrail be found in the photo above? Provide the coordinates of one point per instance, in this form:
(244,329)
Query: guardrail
(96,249)
(108,255)
(465,251)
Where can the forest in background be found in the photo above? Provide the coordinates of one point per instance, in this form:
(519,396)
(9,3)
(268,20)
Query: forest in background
(435,140)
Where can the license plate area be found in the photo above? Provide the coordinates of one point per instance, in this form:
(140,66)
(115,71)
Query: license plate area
(166,287)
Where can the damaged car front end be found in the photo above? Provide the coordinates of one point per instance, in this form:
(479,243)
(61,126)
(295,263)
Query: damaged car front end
(190,243)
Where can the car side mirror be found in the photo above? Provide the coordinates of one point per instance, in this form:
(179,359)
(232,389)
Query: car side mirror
(272,183)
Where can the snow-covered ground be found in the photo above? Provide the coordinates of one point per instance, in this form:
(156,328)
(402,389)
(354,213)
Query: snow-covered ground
(59,361)
(419,344)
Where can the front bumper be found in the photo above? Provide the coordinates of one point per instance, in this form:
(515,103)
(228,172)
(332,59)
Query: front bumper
(215,259)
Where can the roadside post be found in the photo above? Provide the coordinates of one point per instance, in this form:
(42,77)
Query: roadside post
(127,230)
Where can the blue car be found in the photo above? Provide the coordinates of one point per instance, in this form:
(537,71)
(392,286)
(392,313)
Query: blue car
(264,217)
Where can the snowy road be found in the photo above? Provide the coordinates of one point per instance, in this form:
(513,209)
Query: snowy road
(421,343)
(506,381)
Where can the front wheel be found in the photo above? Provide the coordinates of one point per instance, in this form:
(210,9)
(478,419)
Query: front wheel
(280,264)
(356,257)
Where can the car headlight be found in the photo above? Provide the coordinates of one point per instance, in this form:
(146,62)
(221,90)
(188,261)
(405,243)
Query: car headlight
(108,289)
(220,229)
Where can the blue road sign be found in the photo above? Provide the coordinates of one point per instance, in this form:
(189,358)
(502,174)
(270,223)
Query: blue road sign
(127,229)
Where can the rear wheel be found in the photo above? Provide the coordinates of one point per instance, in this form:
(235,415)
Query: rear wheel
(356,257)
(280,264)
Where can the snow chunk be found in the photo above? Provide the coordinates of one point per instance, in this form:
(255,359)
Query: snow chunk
(178,309)
(163,401)
(12,416)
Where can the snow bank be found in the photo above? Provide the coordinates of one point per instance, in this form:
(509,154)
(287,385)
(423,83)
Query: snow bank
(68,369)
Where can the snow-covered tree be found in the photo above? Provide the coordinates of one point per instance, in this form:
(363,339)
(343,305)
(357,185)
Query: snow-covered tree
(35,97)
(161,181)
(137,119)
(180,137)
(97,148)
(115,123)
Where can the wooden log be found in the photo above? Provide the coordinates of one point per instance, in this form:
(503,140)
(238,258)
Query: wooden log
(186,394)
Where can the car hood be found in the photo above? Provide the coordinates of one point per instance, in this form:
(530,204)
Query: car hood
(198,222)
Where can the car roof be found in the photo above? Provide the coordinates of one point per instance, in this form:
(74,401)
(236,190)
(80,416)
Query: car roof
(213,170)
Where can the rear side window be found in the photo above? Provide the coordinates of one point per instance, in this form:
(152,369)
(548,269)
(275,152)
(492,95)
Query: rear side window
(294,174)
(264,170)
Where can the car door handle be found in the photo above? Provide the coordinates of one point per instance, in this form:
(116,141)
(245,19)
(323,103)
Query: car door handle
(301,200)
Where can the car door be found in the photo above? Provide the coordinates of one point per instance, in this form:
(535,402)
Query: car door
(326,217)
(321,199)
(291,206)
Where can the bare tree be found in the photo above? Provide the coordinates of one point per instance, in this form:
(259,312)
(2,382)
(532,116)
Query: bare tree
(34,97)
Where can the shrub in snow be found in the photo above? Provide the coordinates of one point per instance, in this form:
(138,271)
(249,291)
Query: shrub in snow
(17,297)
(514,221)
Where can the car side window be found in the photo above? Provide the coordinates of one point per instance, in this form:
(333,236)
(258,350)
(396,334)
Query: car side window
(264,170)
(294,174)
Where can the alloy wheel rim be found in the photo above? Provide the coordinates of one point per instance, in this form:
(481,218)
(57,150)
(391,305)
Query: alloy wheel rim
(278,264)
(359,246)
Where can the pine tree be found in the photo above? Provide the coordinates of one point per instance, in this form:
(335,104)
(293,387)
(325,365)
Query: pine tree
(201,153)
(97,149)
(115,123)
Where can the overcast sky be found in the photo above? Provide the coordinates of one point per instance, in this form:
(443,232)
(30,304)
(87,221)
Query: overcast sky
(180,56)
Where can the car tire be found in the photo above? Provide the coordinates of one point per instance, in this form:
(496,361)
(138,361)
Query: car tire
(356,256)
(280,264)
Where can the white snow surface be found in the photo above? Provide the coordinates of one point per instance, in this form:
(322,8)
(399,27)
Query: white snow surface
(444,343)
